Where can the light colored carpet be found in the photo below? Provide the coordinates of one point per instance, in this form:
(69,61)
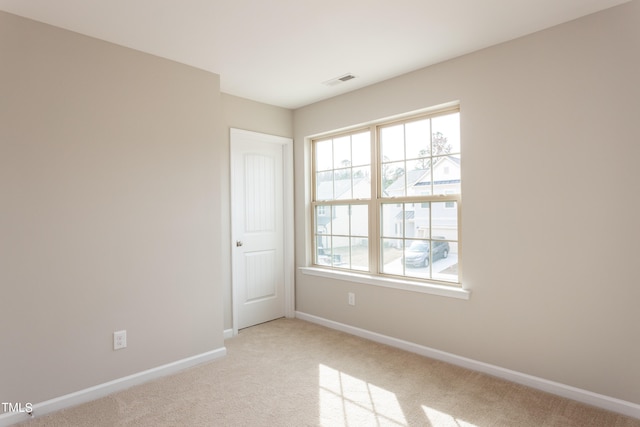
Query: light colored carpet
(293,373)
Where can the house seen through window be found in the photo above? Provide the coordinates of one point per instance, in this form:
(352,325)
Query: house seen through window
(386,199)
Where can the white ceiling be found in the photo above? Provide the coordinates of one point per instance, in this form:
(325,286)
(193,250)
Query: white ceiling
(281,51)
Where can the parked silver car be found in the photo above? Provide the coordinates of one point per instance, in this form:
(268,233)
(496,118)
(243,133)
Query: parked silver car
(417,254)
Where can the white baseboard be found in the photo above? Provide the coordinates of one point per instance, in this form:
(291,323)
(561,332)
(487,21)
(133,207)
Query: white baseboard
(101,390)
(605,402)
(228,333)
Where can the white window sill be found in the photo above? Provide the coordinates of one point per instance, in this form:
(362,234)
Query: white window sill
(407,285)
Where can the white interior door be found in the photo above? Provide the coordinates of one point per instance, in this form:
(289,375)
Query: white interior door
(258,228)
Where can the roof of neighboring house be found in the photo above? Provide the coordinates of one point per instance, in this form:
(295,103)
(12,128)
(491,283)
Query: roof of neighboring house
(419,176)
(454,159)
(413,177)
(341,187)
(407,215)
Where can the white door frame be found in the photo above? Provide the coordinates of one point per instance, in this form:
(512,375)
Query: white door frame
(288,230)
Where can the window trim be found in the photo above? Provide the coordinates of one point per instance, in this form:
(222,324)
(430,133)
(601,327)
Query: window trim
(375,276)
(393,282)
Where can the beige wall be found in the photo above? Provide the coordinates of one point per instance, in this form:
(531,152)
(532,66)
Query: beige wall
(550,215)
(109,212)
(244,114)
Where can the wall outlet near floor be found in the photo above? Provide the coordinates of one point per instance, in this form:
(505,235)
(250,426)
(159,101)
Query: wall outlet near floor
(119,340)
(352,298)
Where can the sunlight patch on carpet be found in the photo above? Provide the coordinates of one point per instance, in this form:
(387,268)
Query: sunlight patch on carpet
(349,401)
(441,419)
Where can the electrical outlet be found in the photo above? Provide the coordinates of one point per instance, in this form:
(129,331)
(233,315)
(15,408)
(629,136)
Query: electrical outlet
(119,340)
(352,298)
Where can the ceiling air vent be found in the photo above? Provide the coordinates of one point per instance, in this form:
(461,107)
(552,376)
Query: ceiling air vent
(339,80)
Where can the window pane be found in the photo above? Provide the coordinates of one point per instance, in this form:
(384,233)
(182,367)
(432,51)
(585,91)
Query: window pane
(409,220)
(416,253)
(417,259)
(323,250)
(445,246)
(341,252)
(392,256)
(362,182)
(422,220)
(361,149)
(445,264)
(422,164)
(446,175)
(444,221)
(418,139)
(419,178)
(445,134)
(323,220)
(322,236)
(392,223)
(340,220)
(392,143)
(324,155)
(393,179)
(360,220)
(324,185)
(342,152)
(323,257)
(342,185)
(360,254)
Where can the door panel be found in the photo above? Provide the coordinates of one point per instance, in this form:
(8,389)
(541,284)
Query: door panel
(260,275)
(260,192)
(258,229)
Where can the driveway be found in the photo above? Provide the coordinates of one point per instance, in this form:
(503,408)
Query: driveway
(443,267)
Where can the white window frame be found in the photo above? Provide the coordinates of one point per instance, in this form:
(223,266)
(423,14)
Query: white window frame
(375,276)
